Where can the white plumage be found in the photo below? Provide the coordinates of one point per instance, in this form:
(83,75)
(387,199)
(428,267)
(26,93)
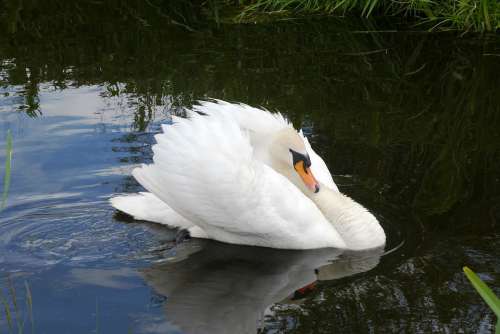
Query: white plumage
(223,173)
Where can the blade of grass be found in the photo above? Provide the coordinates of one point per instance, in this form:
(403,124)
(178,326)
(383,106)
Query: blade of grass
(13,296)
(368,8)
(29,304)
(6,306)
(484,291)
(8,163)
(486,15)
(12,292)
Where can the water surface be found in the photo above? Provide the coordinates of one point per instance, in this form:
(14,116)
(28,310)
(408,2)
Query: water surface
(408,123)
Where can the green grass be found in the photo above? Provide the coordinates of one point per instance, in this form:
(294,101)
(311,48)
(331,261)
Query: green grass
(467,15)
(8,165)
(15,313)
(485,292)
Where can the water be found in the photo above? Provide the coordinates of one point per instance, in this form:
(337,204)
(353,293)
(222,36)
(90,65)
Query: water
(407,121)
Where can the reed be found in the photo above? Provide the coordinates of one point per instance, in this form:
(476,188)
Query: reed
(8,165)
(29,306)
(485,292)
(467,15)
(15,311)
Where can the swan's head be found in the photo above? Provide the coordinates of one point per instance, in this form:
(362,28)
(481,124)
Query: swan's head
(290,158)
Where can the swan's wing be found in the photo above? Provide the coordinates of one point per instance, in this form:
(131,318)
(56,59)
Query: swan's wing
(204,170)
(318,166)
(259,123)
(253,120)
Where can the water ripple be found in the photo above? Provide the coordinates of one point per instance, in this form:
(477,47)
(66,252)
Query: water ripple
(62,229)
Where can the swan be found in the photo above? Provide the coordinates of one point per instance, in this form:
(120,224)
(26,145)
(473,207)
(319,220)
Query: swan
(243,175)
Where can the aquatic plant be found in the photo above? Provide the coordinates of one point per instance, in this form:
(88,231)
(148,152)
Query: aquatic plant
(467,15)
(8,164)
(485,292)
(476,15)
(14,314)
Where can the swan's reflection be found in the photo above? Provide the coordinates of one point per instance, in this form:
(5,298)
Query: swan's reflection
(218,288)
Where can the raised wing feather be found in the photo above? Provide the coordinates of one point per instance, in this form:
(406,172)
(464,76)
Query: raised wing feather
(253,120)
(259,123)
(204,169)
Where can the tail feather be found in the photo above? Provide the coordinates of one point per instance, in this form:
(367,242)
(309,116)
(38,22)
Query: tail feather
(146,206)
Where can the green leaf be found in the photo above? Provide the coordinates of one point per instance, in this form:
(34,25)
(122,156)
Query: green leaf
(484,291)
(8,162)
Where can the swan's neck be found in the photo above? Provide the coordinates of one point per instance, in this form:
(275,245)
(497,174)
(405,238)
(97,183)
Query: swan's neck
(357,226)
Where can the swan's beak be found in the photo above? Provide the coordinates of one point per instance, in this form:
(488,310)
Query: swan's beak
(306,176)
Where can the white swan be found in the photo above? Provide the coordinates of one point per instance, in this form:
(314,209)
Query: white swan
(243,175)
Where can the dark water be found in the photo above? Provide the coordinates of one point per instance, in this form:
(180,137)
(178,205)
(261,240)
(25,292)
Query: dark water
(408,122)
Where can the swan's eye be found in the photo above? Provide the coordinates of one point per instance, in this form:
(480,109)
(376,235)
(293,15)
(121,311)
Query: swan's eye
(297,157)
(307,161)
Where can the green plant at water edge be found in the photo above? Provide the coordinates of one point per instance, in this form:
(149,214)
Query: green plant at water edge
(8,164)
(15,317)
(476,15)
(485,292)
(29,304)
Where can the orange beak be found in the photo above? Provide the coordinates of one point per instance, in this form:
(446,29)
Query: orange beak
(306,176)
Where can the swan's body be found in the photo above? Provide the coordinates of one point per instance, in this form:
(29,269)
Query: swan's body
(225,174)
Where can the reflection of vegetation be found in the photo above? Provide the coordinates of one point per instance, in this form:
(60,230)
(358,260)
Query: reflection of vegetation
(485,292)
(424,294)
(419,112)
(8,163)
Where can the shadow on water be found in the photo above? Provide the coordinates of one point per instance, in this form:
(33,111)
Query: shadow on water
(408,122)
